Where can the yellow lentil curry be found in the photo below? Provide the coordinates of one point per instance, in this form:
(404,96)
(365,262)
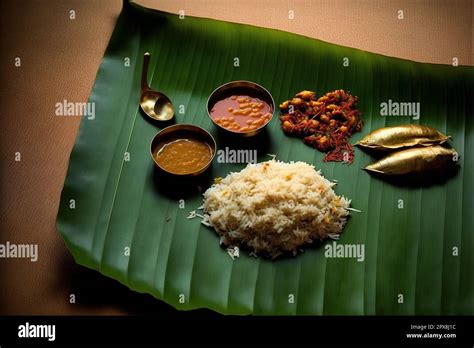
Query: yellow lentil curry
(183,156)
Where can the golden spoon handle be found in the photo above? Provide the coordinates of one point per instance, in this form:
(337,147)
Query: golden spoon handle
(146,60)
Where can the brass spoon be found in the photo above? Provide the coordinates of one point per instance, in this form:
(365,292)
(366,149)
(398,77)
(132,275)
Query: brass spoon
(155,104)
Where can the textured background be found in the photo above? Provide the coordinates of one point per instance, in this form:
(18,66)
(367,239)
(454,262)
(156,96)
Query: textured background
(59,60)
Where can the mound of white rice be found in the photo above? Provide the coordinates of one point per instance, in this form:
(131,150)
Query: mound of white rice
(274,208)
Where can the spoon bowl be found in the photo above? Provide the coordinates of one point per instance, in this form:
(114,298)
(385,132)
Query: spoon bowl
(154,104)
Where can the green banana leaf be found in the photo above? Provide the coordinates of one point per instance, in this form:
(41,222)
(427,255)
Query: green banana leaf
(419,240)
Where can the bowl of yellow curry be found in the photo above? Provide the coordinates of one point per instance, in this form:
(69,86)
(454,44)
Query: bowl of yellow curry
(183,150)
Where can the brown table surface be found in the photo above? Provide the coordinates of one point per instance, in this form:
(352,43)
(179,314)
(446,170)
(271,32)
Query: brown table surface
(59,60)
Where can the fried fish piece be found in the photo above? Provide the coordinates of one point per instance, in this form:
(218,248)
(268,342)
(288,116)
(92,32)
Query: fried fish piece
(403,136)
(417,160)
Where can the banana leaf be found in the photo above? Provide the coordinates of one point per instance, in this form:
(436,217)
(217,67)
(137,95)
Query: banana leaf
(117,219)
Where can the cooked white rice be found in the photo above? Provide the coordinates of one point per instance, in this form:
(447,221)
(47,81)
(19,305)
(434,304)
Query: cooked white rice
(274,207)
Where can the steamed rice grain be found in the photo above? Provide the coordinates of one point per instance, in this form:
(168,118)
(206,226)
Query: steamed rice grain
(274,208)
